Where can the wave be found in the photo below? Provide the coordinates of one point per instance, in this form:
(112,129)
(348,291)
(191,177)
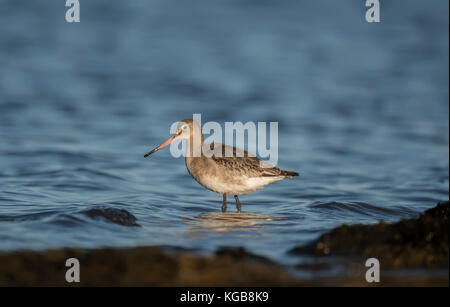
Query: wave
(113,215)
(362,208)
(27,217)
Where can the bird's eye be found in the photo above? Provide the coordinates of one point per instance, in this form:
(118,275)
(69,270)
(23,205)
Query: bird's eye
(184,127)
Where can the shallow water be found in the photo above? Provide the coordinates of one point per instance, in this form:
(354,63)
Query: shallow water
(362,109)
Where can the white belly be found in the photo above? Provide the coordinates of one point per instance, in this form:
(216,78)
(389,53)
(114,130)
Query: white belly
(243,185)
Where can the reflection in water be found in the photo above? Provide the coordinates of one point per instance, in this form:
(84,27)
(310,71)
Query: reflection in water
(218,221)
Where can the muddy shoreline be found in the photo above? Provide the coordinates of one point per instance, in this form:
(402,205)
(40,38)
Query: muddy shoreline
(412,252)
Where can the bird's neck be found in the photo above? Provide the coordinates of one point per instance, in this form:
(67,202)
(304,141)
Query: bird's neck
(194,145)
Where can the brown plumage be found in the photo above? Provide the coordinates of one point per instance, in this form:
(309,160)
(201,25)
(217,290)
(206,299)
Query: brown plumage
(241,173)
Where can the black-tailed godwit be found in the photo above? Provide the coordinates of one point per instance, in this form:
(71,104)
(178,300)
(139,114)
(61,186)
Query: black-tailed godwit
(238,174)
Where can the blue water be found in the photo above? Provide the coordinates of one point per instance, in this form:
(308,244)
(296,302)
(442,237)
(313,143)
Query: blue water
(362,109)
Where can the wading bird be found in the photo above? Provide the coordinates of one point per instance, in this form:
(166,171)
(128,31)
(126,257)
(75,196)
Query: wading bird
(222,173)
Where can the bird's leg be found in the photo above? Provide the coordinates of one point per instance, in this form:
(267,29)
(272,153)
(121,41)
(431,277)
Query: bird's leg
(224,203)
(238,204)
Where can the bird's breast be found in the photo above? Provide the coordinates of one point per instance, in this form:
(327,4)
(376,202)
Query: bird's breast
(224,181)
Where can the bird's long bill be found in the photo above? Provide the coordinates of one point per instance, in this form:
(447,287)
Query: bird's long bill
(167,142)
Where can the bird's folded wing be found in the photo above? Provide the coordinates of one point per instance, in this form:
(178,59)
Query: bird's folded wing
(243,162)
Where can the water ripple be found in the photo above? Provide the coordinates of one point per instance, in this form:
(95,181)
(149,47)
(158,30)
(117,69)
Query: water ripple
(355,207)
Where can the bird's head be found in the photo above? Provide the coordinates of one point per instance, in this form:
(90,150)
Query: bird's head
(186,130)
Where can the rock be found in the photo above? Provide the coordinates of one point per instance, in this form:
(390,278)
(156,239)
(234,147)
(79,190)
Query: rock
(240,254)
(421,242)
(143,266)
(117,216)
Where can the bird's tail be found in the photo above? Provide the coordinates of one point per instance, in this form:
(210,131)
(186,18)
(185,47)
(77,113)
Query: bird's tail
(289,174)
